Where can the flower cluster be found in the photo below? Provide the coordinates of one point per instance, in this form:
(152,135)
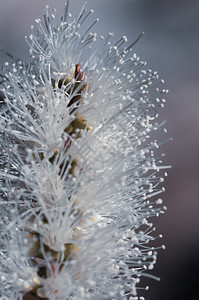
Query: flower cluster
(78,172)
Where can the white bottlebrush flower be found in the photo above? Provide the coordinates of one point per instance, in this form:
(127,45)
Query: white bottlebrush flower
(78,171)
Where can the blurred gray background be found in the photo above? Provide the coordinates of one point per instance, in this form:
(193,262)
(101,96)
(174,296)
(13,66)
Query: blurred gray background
(170,46)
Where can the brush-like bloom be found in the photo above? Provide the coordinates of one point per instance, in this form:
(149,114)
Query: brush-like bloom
(78,172)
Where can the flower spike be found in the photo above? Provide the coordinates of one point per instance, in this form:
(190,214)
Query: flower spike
(79,175)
